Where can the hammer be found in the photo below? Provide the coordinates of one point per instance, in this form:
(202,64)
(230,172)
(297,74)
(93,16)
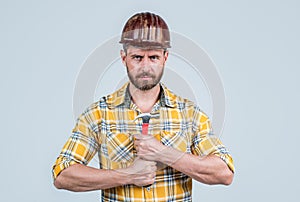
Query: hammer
(146,119)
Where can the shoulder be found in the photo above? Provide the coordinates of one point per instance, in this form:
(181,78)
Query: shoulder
(174,100)
(106,102)
(91,114)
(115,99)
(182,103)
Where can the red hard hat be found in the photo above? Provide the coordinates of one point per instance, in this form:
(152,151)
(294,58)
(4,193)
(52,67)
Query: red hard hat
(146,30)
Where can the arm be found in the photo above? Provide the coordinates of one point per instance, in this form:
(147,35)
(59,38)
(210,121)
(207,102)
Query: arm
(83,178)
(71,172)
(80,178)
(210,169)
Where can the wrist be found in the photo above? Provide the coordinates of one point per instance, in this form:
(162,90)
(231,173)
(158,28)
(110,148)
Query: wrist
(170,156)
(121,176)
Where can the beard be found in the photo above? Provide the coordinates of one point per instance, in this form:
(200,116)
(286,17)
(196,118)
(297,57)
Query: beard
(144,85)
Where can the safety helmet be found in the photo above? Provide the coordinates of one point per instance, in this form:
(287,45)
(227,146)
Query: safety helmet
(146,30)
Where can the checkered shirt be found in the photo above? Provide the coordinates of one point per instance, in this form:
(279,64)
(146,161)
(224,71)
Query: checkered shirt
(106,128)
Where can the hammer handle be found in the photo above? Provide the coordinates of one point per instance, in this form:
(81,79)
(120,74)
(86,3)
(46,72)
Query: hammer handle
(145,128)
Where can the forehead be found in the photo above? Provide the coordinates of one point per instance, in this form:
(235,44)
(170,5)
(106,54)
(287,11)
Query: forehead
(141,51)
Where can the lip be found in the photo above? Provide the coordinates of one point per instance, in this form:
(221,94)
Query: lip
(145,77)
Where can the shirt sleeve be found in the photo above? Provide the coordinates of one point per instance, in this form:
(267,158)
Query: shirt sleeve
(205,142)
(83,143)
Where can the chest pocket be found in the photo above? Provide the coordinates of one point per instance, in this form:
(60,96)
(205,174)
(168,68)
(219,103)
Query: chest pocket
(120,147)
(177,140)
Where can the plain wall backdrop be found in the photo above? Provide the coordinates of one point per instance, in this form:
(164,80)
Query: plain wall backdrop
(254,44)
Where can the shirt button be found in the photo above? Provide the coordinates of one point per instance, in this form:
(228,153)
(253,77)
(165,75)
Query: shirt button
(148,188)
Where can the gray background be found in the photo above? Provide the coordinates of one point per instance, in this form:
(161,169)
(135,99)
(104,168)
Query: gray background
(255,45)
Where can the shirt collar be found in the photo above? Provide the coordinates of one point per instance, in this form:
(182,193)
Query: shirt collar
(123,97)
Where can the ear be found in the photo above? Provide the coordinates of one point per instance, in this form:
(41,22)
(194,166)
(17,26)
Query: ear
(166,55)
(123,57)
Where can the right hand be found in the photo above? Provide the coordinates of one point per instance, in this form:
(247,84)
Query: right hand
(141,172)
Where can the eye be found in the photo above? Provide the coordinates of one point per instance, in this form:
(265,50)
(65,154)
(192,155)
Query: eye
(137,57)
(154,57)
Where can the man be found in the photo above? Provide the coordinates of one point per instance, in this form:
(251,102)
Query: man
(151,143)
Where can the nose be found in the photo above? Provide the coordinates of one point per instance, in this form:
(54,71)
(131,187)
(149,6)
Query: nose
(146,64)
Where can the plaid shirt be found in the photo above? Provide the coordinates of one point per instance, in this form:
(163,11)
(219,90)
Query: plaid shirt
(106,128)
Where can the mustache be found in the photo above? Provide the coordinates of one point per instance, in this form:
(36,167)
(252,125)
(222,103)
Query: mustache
(143,74)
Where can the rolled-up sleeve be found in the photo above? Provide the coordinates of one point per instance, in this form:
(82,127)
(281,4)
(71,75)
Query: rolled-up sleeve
(204,142)
(83,143)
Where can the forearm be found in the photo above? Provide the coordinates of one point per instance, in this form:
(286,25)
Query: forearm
(209,170)
(83,178)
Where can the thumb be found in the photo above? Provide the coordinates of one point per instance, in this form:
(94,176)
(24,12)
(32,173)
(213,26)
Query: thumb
(138,136)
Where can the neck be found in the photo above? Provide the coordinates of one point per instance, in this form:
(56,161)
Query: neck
(145,100)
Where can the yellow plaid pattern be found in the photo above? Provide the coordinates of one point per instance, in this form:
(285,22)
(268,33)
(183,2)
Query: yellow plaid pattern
(106,128)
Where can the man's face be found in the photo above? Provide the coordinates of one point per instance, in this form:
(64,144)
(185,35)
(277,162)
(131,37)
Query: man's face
(144,67)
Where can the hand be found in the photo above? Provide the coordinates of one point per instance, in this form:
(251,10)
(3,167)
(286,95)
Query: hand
(148,147)
(141,172)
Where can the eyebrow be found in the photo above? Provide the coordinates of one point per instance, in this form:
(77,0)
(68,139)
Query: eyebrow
(136,55)
(142,56)
(154,55)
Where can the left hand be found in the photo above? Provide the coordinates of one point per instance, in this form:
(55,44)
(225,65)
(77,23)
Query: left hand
(148,147)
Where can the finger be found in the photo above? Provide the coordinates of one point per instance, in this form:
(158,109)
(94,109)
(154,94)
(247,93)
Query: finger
(136,143)
(142,136)
(148,163)
(138,136)
(151,176)
(152,163)
(152,170)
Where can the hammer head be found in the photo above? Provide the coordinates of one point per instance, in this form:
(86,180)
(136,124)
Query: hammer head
(146,117)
